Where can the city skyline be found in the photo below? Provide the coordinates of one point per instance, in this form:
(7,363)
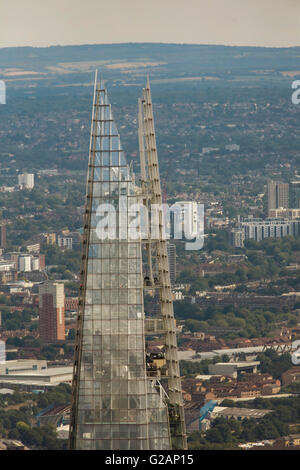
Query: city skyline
(120,333)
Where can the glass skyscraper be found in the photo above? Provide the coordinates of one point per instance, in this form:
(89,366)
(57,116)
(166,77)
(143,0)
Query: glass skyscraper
(115,405)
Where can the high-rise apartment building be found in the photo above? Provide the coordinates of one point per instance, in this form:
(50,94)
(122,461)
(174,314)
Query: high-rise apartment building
(3,235)
(283,195)
(294,195)
(52,311)
(42,261)
(272,202)
(65,242)
(171,247)
(117,404)
(278,195)
(237,237)
(26,180)
(24,263)
(35,263)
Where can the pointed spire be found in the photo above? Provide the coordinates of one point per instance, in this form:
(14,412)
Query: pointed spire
(114,403)
(148,82)
(101,83)
(96,75)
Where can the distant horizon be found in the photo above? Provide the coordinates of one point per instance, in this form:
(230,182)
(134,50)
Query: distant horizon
(151,42)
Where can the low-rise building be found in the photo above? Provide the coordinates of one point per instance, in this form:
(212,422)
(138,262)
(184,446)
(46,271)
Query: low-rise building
(12,444)
(71,304)
(258,229)
(232,369)
(33,248)
(238,413)
(22,365)
(42,379)
(293,440)
(291,376)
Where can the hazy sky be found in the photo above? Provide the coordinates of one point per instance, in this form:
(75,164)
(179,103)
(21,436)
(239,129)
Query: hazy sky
(234,22)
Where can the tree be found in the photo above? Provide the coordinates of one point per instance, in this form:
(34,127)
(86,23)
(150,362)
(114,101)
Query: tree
(214,435)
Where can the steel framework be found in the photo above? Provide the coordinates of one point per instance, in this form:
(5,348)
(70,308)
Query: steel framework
(157,252)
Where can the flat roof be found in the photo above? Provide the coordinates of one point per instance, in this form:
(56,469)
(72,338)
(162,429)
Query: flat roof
(24,361)
(191,355)
(26,383)
(245,412)
(237,364)
(235,411)
(43,372)
(5,391)
(206,377)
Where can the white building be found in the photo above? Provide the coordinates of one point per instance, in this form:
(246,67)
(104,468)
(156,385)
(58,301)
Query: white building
(209,149)
(26,181)
(2,349)
(232,147)
(33,248)
(257,229)
(178,295)
(237,237)
(35,264)
(285,213)
(22,365)
(6,266)
(188,218)
(25,263)
(232,369)
(65,242)
(7,189)
(33,374)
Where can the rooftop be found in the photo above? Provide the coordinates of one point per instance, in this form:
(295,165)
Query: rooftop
(239,364)
(51,372)
(242,412)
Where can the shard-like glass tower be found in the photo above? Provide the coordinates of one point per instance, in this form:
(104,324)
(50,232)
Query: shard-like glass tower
(115,406)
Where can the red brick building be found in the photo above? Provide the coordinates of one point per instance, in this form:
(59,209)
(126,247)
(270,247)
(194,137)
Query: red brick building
(52,311)
(42,261)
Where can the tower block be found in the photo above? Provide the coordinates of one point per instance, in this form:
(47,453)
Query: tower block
(116,403)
